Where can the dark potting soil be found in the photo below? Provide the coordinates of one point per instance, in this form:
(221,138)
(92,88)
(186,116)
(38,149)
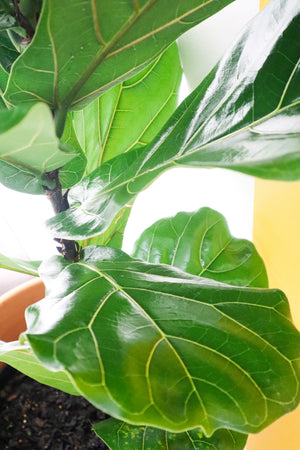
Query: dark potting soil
(38,417)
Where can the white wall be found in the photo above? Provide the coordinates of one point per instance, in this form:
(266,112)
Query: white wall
(22,231)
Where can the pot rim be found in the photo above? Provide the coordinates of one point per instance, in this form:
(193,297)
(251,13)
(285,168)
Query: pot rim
(28,285)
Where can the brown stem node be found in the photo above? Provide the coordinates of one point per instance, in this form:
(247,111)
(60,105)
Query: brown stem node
(22,20)
(69,249)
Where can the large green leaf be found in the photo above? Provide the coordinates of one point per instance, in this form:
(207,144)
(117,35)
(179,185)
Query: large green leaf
(200,243)
(29,147)
(127,116)
(119,435)
(22,358)
(111,323)
(19,265)
(244,116)
(81,49)
(130,114)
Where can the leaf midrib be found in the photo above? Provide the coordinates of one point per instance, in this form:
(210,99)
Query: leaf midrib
(107,50)
(214,306)
(173,160)
(238,82)
(182,153)
(103,272)
(165,337)
(161,333)
(103,53)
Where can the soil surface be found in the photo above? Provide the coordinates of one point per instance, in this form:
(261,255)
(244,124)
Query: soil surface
(37,417)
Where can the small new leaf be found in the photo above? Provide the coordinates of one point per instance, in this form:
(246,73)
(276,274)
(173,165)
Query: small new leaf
(19,265)
(29,147)
(20,356)
(120,435)
(200,243)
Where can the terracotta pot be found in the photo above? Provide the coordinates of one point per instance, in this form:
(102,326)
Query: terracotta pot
(13,305)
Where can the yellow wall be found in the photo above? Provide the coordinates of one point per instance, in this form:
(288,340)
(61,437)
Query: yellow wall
(276,234)
(263,3)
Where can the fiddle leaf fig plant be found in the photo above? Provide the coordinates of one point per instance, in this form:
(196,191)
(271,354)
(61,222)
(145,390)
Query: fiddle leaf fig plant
(181,342)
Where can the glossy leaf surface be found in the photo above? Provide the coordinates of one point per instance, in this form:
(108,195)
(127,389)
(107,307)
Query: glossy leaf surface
(242,117)
(29,148)
(22,358)
(119,435)
(200,243)
(111,322)
(113,236)
(99,45)
(19,265)
(130,114)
